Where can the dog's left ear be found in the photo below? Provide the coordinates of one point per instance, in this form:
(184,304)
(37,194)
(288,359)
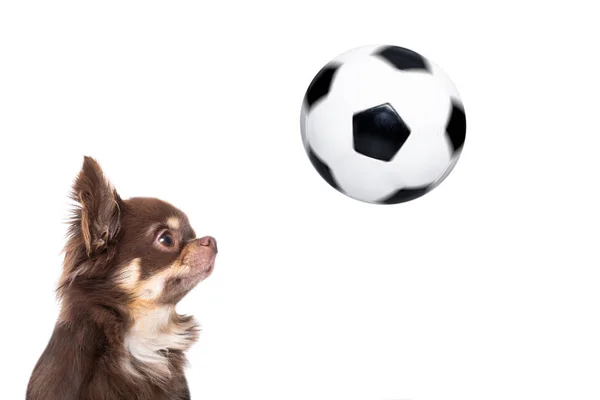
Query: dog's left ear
(97,219)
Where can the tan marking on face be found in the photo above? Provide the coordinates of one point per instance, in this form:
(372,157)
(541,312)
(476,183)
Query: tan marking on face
(151,288)
(129,276)
(173,223)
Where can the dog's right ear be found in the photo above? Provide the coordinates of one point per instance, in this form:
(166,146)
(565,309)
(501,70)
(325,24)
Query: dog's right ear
(96,220)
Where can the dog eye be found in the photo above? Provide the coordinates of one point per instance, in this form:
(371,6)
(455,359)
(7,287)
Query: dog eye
(166,239)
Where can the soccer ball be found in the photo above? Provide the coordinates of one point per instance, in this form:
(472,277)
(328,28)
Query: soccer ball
(382,124)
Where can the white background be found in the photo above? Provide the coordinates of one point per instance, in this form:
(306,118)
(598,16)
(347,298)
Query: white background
(486,288)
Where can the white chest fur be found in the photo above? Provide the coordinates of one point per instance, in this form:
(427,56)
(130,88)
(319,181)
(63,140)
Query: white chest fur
(152,336)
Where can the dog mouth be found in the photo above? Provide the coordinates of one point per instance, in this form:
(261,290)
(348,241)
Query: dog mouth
(200,267)
(205,271)
(210,268)
(196,265)
(200,255)
(184,282)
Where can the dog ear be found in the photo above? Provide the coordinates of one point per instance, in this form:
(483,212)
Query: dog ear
(97,219)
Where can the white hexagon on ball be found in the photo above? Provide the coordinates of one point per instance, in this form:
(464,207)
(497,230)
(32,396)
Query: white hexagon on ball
(382,124)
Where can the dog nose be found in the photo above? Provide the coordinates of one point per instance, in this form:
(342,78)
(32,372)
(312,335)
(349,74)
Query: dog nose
(208,241)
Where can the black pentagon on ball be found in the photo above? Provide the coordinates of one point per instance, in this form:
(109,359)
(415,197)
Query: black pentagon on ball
(402,59)
(322,168)
(320,85)
(456,129)
(379,132)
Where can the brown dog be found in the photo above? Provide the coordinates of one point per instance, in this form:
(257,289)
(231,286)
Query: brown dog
(127,264)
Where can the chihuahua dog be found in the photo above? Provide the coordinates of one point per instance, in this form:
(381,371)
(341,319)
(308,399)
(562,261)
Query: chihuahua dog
(127,264)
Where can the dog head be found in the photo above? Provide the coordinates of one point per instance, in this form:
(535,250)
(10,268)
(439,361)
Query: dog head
(142,251)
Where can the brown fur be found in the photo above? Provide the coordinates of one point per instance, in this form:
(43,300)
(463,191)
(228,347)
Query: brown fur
(118,335)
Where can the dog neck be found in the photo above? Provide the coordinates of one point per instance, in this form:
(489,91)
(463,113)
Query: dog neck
(155,336)
(149,341)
